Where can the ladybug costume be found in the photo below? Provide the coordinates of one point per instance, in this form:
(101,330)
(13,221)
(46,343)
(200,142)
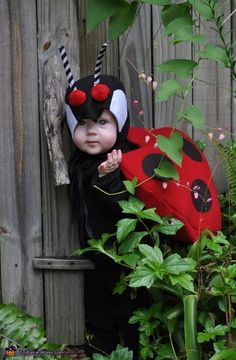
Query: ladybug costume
(107,315)
(193,199)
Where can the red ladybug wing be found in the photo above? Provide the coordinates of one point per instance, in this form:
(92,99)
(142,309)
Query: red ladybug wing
(192,200)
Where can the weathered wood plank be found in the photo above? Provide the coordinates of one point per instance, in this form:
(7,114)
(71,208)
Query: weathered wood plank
(233,103)
(212,93)
(20,201)
(165,111)
(136,58)
(64,310)
(58,25)
(90,44)
(51,263)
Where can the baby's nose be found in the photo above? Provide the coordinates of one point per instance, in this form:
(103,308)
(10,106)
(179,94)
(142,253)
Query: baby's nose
(92,127)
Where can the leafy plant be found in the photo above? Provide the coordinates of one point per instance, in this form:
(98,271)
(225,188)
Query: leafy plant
(22,330)
(119,354)
(193,288)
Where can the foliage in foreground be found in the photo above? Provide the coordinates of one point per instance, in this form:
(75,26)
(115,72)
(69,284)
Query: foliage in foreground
(192,315)
(23,331)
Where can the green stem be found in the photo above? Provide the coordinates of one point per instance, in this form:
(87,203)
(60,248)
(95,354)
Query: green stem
(218,20)
(145,226)
(171,343)
(190,327)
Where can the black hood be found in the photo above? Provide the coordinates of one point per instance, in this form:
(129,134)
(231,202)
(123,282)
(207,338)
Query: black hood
(108,94)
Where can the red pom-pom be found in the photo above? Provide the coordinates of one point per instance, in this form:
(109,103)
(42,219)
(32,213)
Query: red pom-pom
(100,92)
(76,98)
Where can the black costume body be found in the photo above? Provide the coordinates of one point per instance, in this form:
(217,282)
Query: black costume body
(107,315)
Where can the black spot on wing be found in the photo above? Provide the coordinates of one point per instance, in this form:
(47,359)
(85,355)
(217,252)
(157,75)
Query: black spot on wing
(151,162)
(201,196)
(192,151)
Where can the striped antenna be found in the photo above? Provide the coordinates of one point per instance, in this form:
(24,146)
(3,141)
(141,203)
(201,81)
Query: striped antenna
(67,68)
(98,66)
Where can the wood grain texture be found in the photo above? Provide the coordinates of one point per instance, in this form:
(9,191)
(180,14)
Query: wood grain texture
(212,93)
(165,111)
(58,25)
(90,44)
(233,101)
(135,58)
(70,264)
(20,205)
(64,310)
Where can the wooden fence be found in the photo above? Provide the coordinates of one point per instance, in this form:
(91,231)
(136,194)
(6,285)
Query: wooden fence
(35,226)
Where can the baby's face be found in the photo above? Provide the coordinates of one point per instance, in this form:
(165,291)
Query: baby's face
(96,137)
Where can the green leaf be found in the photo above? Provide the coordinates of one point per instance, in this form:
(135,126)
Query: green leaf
(215,52)
(179,24)
(131,259)
(99,357)
(198,247)
(142,276)
(24,330)
(150,214)
(165,351)
(171,146)
(219,345)
(121,353)
(144,315)
(169,88)
(181,67)
(227,354)
(174,264)
(184,280)
(120,286)
(186,34)
(132,206)
(99,11)
(124,227)
(98,244)
(213,246)
(174,313)
(211,332)
(193,115)
(4,343)
(131,185)
(166,170)
(170,226)
(6,310)
(153,254)
(171,12)
(231,271)
(122,18)
(202,8)
(131,241)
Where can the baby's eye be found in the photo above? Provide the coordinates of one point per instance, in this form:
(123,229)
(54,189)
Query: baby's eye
(81,122)
(102,122)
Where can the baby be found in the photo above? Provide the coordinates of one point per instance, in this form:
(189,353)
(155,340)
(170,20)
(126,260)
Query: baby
(98,119)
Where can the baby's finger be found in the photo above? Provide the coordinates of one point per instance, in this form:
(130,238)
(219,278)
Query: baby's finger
(109,159)
(114,155)
(119,156)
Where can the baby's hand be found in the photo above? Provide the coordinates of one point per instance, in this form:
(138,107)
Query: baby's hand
(111,164)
